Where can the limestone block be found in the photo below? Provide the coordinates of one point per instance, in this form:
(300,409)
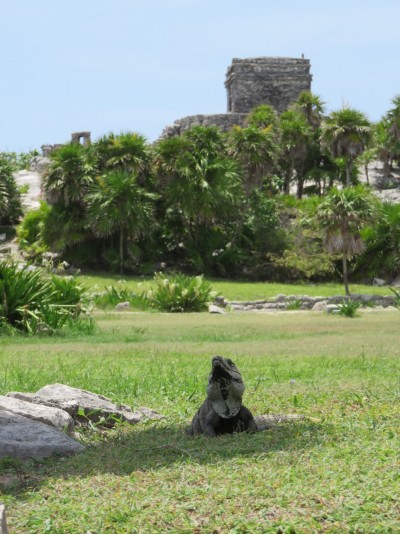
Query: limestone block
(37,412)
(320,306)
(123,306)
(95,407)
(22,438)
(215,309)
(28,397)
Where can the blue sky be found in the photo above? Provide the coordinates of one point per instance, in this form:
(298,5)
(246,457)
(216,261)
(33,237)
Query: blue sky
(102,65)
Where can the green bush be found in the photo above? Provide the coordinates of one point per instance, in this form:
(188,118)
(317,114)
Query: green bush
(10,198)
(180,293)
(113,296)
(396,293)
(36,304)
(349,308)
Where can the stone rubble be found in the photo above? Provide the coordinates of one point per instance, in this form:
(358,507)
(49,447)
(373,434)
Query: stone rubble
(33,425)
(304,302)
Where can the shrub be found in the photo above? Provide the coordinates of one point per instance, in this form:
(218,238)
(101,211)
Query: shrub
(396,293)
(349,308)
(10,198)
(113,296)
(293,304)
(180,293)
(36,304)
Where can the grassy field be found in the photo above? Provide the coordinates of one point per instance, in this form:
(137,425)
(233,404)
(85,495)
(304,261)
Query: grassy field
(237,290)
(341,474)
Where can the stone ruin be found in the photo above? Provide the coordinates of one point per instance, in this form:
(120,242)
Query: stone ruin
(40,163)
(76,137)
(276,81)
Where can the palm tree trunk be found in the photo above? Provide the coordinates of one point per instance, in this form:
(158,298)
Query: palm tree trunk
(121,250)
(348,172)
(300,187)
(345,275)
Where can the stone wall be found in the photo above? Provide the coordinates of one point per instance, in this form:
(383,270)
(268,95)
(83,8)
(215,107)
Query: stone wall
(304,302)
(276,81)
(224,121)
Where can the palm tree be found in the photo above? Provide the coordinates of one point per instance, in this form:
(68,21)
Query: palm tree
(70,172)
(127,151)
(10,197)
(264,116)
(382,142)
(201,193)
(342,214)
(312,107)
(382,254)
(257,151)
(118,205)
(3,198)
(346,133)
(295,141)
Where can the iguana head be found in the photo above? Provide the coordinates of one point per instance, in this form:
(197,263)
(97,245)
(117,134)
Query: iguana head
(225,387)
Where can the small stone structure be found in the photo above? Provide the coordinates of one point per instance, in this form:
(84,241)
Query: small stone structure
(81,138)
(276,81)
(48,149)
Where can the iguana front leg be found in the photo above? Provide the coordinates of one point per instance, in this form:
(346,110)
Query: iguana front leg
(211,422)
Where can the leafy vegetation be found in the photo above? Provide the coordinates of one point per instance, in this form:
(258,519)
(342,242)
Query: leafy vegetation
(180,293)
(349,307)
(10,197)
(221,204)
(34,303)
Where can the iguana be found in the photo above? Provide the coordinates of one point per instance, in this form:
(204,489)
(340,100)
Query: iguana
(223,412)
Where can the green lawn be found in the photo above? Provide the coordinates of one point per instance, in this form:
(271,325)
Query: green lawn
(236,290)
(341,474)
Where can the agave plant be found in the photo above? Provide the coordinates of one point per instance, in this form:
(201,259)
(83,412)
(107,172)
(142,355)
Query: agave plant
(34,303)
(180,293)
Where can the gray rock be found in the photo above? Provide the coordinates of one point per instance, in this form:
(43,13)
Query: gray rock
(332,308)
(220,301)
(3,521)
(95,407)
(39,164)
(38,412)
(28,397)
(396,282)
(320,306)
(268,421)
(215,309)
(23,438)
(379,282)
(123,306)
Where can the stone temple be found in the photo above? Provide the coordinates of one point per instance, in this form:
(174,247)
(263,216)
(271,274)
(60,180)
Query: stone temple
(276,81)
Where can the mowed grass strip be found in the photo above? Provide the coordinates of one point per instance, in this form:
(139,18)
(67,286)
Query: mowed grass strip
(335,471)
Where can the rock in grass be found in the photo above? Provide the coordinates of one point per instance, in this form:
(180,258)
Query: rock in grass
(215,309)
(85,405)
(23,438)
(123,306)
(320,306)
(60,419)
(28,397)
(3,522)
